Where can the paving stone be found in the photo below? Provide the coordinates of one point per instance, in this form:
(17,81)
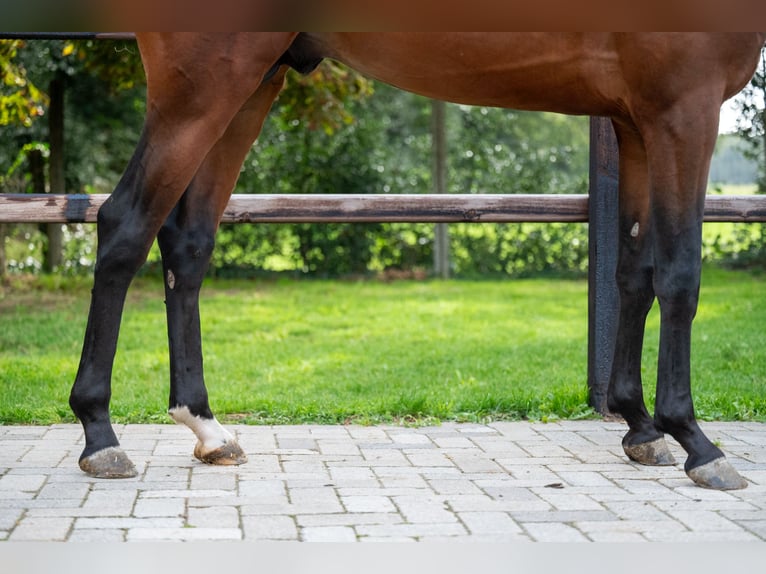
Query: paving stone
(454,486)
(554,532)
(349,519)
(321,500)
(159,507)
(567,516)
(59,490)
(328,534)
(701,537)
(705,520)
(489,523)
(560,499)
(428,458)
(128,522)
(213,481)
(213,517)
(473,463)
(667,527)
(417,509)
(368,504)
(410,438)
(330,446)
(473,502)
(411,530)
(616,536)
(454,442)
(269,528)
(111,502)
(41,529)
(384,457)
(97,535)
(9,517)
(503,482)
(352,474)
(22,482)
(185,534)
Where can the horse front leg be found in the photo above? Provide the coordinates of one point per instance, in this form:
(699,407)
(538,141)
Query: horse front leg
(643,443)
(680,155)
(186,241)
(125,233)
(193,92)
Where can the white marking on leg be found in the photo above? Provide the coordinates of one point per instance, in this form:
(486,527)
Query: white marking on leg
(209,431)
(171,279)
(634,230)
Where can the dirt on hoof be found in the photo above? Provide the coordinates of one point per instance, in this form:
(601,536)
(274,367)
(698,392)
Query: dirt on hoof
(653,453)
(229,454)
(110,462)
(717,474)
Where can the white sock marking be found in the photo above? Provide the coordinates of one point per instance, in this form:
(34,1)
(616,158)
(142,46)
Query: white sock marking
(209,431)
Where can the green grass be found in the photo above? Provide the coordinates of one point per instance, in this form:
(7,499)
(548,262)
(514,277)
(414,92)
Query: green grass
(334,351)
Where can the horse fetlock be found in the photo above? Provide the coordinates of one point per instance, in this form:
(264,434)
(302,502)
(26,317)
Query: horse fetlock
(110,462)
(717,474)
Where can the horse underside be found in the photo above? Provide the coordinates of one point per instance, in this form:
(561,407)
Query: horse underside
(208,95)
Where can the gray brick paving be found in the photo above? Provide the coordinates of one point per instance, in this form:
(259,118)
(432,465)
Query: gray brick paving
(564,481)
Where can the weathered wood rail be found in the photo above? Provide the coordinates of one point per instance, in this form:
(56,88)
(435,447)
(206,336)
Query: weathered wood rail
(368,208)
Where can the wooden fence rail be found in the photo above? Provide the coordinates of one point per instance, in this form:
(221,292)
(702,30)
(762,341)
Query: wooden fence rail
(369,208)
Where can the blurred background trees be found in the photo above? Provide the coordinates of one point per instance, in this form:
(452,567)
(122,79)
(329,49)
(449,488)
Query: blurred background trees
(330,132)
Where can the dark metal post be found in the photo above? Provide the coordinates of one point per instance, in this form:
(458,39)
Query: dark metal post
(603,297)
(439,145)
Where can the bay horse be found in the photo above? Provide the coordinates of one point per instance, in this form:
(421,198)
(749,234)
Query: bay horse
(208,95)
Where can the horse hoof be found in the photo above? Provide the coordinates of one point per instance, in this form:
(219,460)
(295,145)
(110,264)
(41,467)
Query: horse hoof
(228,454)
(717,474)
(110,462)
(653,453)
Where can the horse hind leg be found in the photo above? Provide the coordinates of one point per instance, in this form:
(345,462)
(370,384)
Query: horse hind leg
(186,242)
(680,148)
(643,443)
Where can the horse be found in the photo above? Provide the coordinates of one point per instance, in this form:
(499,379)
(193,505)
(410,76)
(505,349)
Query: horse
(206,100)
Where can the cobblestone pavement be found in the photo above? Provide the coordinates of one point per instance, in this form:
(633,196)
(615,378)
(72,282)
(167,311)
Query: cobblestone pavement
(562,481)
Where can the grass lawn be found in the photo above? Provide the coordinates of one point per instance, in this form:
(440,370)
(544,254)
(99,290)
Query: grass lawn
(335,351)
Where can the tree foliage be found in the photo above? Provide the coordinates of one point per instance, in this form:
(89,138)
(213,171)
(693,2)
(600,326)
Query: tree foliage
(751,123)
(20,100)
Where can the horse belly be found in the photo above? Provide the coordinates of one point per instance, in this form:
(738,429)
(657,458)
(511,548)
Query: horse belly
(566,73)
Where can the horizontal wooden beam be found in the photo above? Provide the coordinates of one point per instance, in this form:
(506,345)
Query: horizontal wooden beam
(325,208)
(366,208)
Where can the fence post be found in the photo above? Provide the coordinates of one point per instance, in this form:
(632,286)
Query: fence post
(603,298)
(439,171)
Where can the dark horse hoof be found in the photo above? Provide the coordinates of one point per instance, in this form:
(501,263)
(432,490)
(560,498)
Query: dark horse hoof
(228,454)
(110,462)
(653,453)
(717,474)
